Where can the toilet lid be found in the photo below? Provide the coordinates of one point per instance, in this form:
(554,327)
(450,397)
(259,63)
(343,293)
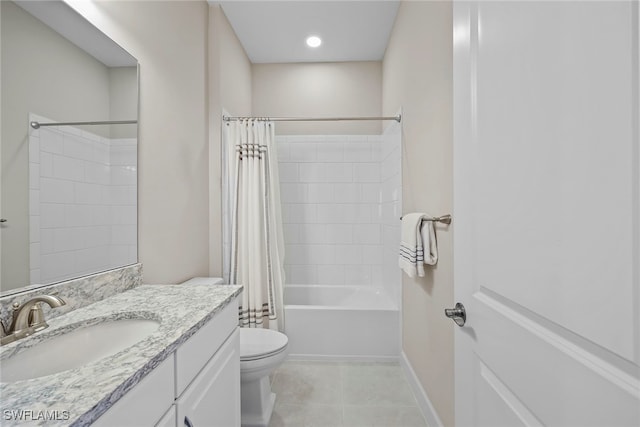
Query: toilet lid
(259,343)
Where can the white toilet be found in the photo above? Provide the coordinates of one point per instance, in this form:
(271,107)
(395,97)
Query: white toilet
(261,351)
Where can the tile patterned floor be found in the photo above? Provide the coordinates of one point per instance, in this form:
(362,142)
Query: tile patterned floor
(336,394)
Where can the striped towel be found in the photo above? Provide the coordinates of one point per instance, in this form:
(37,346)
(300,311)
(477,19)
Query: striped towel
(416,236)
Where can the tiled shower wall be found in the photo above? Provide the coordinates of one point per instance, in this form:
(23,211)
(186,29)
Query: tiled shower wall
(82,203)
(340,200)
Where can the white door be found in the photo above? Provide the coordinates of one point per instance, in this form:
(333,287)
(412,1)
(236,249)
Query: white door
(547,213)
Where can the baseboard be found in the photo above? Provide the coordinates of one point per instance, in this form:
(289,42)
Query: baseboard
(425,405)
(341,358)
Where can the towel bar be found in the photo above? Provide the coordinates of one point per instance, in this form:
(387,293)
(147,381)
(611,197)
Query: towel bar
(445,219)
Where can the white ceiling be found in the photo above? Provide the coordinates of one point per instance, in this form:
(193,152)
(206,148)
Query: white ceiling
(275,31)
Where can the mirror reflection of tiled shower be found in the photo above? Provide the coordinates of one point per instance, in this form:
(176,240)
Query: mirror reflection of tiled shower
(82,205)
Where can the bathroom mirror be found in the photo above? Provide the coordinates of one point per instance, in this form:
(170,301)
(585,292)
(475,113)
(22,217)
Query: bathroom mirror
(68,197)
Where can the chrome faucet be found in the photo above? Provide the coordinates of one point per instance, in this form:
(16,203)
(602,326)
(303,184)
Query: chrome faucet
(28,318)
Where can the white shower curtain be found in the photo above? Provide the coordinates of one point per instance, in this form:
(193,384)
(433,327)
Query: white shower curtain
(256,258)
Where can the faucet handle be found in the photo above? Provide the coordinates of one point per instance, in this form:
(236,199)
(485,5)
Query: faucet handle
(36,318)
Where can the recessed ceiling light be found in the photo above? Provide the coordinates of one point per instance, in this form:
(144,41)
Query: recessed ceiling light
(314,41)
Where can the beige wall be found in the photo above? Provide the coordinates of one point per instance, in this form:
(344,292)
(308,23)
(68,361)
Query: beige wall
(319,90)
(169,39)
(40,71)
(417,74)
(123,100)
(229,89)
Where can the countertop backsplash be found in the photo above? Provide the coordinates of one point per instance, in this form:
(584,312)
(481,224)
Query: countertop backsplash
(77,292)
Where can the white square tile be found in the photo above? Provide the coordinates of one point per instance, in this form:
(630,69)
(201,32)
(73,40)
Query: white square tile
(47,240)
(312,172)
(321,193)
(123,155)
(370,193)
(68,239)
(387,212)
(118,195)
(88,193)
(284,149)
(97,236)
(123,175)
(301,213)
(68,168)
(97,173)
(124,234)
(102,154)
(124,215)
(313,233)
(101,214)
(293,193)
(296,254)
(56,191)
(119,255)
(372,254)
(51,141)
(291,233)
(346,193)
(56,265)
(348,254)
(78,215)
(303,274)
(339,234)
(330,152)
(92,258)
(367,172)
(367,234)
(288,172)
(46,165)
(337,172)
(377,278)
(78,147)
(331,274)
(322,254)
(53,215)
(303,152)
(358,274)
(331,213)
(358,152)
(366,213)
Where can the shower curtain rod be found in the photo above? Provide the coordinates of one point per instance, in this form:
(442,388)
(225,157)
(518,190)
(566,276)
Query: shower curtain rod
(37,125)
(397,118)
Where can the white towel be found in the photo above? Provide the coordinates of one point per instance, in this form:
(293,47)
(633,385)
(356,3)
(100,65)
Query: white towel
(416,237)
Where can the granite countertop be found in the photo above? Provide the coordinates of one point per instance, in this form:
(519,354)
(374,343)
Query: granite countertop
(81,395)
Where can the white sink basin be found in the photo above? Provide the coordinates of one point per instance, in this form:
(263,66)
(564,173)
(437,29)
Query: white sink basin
(76,348)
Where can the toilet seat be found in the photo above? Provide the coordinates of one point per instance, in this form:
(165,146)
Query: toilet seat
(256,344)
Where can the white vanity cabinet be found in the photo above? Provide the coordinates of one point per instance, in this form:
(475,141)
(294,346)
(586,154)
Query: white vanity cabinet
(213,398)
(197,385)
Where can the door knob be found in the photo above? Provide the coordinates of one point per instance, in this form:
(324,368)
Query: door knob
(458,314)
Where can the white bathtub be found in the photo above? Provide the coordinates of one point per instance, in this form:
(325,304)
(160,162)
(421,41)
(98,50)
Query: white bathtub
(341,322)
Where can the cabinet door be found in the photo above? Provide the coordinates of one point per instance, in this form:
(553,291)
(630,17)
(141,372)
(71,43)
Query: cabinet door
(213,398)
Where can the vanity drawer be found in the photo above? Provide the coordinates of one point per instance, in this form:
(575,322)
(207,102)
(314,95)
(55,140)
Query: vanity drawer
(197,350)
(145,403)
